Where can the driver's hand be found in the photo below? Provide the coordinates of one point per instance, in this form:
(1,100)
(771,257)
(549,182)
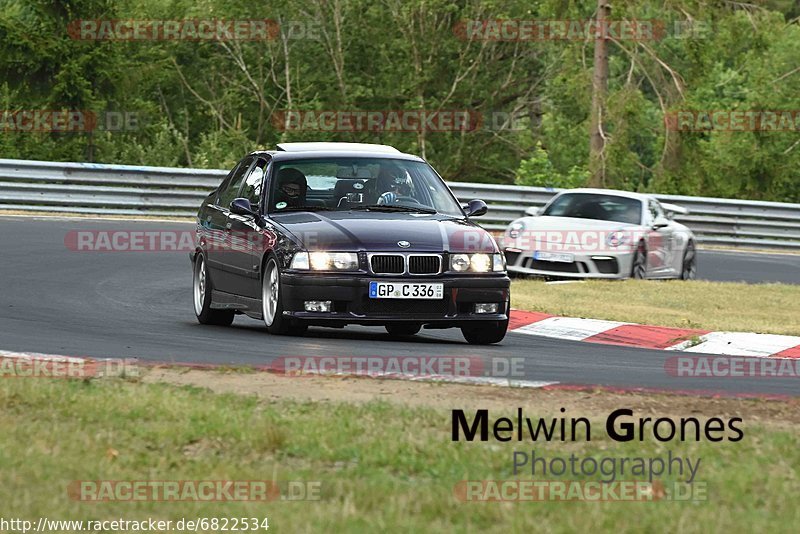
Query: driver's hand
(388,197)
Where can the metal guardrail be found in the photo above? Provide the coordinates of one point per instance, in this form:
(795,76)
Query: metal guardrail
(165,191)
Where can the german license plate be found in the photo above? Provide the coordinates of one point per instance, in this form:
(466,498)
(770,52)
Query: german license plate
(402,290)
(559,257)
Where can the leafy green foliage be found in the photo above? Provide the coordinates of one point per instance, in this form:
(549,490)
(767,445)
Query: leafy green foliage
(206,103)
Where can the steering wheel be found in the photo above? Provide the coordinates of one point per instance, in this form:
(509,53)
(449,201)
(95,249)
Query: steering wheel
(406,199)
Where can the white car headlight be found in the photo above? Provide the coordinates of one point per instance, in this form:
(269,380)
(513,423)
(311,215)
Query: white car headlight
(334,261)
(498,263)
(477,263)
(344,261)
(320,261)
(480,263)
(459,262)
(300,261)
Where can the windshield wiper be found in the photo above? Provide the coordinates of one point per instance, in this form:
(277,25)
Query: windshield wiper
(394,207)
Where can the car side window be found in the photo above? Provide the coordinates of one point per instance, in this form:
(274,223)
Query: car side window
(226,181)
(655,211)
(251,190)
(231,190)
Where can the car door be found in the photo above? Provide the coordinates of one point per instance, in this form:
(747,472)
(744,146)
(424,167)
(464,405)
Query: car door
(249,240)
(660,245)
(220,250)
(212,225)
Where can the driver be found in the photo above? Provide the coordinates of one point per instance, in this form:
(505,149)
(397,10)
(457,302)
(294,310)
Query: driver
(394,182)
(633,213)
(290,190)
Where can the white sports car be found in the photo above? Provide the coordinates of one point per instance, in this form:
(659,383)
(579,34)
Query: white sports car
(601,233)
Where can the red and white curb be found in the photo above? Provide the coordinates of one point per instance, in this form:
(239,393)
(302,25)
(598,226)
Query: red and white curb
(655,337)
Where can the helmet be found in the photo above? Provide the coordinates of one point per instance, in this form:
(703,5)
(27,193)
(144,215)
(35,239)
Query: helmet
(393,178)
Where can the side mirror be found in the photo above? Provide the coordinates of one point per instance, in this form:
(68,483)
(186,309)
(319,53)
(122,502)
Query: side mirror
(660,223)
(241,206)
(476,208)
(533,211)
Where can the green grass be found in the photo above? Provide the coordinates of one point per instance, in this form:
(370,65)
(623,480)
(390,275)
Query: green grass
(764,308)
(382,467)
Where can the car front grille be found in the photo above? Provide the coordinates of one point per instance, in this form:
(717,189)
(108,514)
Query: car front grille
(551,266)
(606,266)
(388,264)
(429,264)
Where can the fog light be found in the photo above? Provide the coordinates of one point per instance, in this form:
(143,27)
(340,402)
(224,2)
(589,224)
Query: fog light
(318,306)
(486,307)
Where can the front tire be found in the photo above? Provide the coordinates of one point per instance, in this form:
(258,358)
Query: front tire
(486,332)
(689,266)
(639,266)
(202,287)
(272,303)
(403,329)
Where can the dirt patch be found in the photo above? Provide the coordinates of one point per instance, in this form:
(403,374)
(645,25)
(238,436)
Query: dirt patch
(437,395)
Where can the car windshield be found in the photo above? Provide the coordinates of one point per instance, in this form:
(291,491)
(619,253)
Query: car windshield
(594,206)
(368,184)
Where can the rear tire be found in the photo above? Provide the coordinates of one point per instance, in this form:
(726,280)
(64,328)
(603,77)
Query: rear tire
(403,329)
(486,332)
(689,266)
(272,303)
(201,289)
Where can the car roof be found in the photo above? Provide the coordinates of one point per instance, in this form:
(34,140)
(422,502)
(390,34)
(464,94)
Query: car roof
(615,192)
(321,146)
(294,151)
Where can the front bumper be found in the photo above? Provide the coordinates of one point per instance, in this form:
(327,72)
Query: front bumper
(349,295)
(604,265)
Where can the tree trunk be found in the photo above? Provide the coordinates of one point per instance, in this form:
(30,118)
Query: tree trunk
(597,167)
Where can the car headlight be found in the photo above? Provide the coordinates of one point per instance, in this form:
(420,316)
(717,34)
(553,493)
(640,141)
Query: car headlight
(480,263)
(344,261)
(498,263)
(300,261)
(325,261)
(477,263)
(459,262)
(617,239)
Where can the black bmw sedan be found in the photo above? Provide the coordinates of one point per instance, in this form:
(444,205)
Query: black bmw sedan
(330,234)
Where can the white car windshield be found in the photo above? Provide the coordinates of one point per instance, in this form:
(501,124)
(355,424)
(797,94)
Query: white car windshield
(596,206)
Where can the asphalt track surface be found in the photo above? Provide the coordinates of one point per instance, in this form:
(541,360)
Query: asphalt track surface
(139,305)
